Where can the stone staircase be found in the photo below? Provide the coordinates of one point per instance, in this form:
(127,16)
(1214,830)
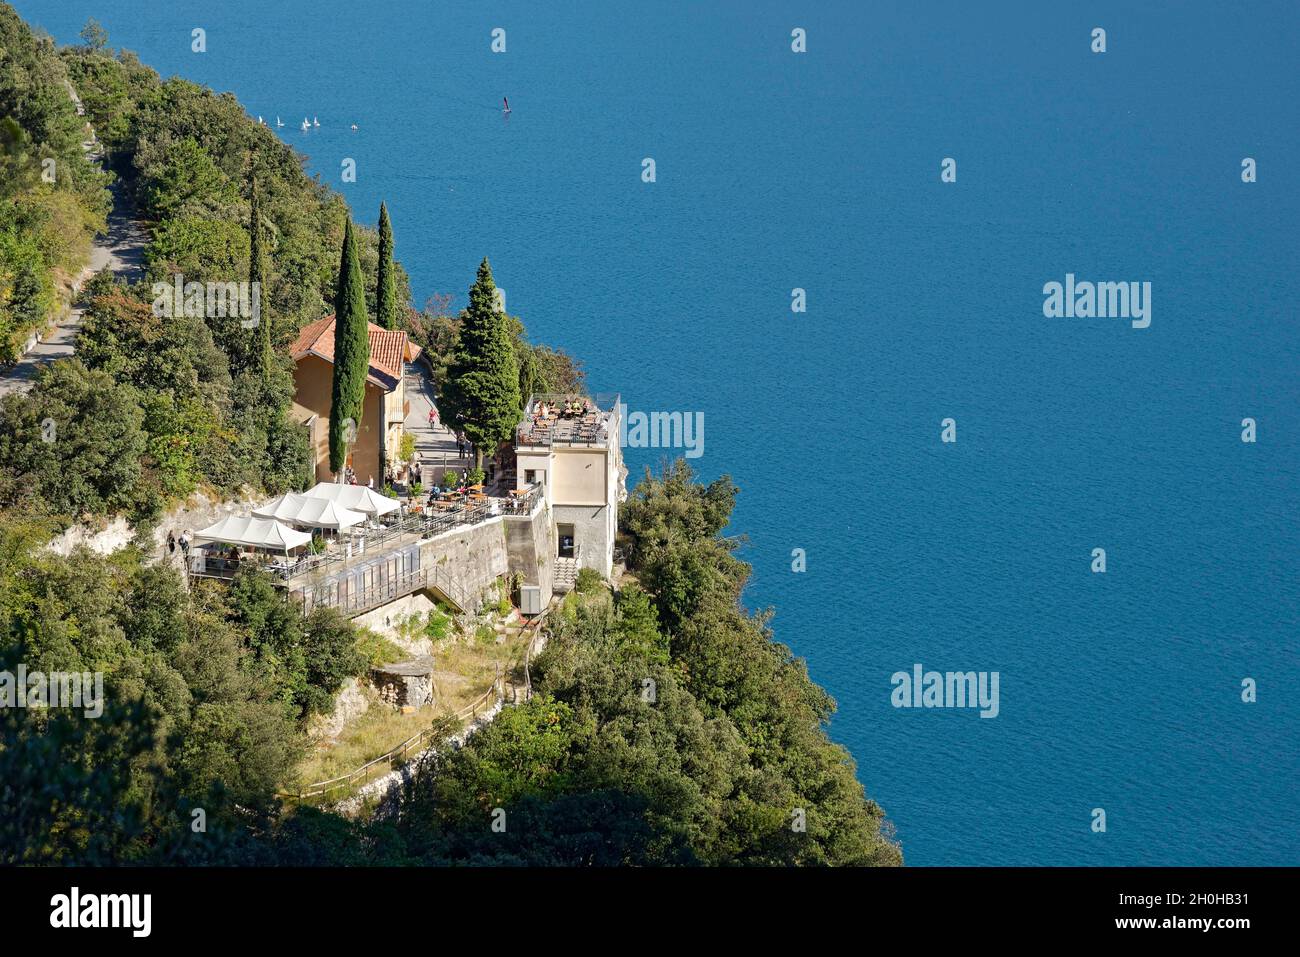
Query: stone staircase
(566,574)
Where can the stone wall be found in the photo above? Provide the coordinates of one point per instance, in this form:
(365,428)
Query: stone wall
(405,683)
(474,556)
(531,549)
(591,532)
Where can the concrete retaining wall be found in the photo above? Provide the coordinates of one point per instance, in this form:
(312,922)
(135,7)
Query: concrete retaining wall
(531,549)
(474,556)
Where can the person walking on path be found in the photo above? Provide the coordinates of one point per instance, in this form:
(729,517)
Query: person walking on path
(171,542)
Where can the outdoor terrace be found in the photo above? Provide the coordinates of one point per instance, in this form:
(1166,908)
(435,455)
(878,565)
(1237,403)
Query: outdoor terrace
(364,544)
(558,419)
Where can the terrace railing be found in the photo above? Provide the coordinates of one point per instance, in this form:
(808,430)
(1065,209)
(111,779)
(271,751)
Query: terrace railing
(592,429)
(394,760)
(422,525)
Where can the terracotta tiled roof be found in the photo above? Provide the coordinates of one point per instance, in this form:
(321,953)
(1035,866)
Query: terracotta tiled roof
(389,348)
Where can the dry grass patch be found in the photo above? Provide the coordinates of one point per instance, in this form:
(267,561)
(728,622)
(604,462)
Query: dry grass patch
(466,666)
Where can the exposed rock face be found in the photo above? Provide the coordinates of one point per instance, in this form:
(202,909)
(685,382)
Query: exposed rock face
(116,534)
(406,682)
(350,703)
(199,511)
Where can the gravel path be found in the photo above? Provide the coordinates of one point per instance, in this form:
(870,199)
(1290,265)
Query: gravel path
(120,250)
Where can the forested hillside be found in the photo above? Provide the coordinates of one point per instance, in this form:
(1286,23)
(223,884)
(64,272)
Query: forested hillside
(666,728)
(210,688)
(52,198)
(188,402)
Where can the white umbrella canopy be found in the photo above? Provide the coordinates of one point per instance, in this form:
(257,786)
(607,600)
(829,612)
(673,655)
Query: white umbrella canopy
(252,533)
(358,498)
(311,512)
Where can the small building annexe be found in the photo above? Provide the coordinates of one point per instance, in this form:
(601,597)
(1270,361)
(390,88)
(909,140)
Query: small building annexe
(569,447)
(379,433)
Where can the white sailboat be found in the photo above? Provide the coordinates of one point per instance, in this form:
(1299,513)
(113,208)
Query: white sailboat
(279,122)
(305,125)
(315,122)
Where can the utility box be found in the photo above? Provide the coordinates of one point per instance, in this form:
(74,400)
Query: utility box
(530,599)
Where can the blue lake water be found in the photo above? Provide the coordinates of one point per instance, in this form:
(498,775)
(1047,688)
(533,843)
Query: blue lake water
(821,171)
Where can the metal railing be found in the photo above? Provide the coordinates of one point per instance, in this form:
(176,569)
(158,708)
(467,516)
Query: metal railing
(396,758)
(422,525)
(437,577)
(571,428)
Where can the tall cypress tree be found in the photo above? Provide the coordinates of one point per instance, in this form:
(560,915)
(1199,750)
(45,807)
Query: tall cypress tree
(351,350)
(386,293)
(482,388)
(265,355)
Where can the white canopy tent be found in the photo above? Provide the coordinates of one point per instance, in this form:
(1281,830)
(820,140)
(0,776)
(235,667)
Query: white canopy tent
(252,533)
(357,498)
(309,511)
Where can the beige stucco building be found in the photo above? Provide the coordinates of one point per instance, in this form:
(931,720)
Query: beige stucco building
(576,459)
(379,433)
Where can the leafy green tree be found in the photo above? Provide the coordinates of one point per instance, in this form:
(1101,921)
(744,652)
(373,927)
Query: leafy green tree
(637,626)
(557,371)
(188,180)
(529,373)
(386,310)
(265,351)
(76,442)
(66,795)
(482,388)
(93,35)
(17,170)
(351,351)
(330,648)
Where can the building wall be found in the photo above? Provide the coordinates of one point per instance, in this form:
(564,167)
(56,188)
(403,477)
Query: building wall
(478,555)
(578,476)
(394,422)
(530,544)
(474,557)
(592,533)
(583,488)
(313,384)
(368,453)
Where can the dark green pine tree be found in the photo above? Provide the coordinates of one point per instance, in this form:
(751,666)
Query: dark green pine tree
(351,351)
(262,349)
(386,293)
(482,390)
